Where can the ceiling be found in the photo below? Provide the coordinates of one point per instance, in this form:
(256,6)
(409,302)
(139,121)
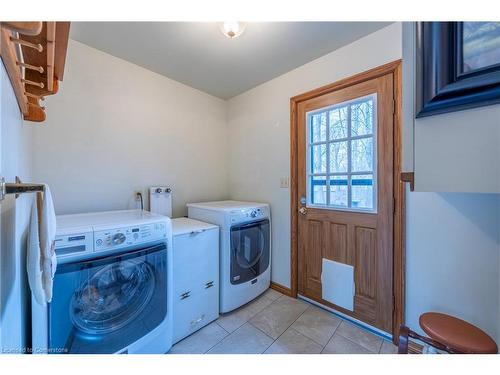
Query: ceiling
(198,55)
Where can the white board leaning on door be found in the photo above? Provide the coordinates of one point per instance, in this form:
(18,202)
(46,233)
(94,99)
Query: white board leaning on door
(337,281)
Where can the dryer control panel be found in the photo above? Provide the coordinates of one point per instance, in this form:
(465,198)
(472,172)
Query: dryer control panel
(248,214)
(123,237)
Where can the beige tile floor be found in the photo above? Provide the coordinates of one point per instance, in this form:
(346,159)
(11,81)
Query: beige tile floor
(276,324)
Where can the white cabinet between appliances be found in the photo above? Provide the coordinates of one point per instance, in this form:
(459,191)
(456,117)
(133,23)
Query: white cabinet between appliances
(196,275)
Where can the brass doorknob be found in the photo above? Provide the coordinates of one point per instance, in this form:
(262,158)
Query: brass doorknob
(303,210)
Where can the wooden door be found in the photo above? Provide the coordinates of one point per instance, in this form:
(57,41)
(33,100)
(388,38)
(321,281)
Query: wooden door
(345,194)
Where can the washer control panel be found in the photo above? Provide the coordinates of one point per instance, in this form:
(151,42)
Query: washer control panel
(69,245)
(124,237)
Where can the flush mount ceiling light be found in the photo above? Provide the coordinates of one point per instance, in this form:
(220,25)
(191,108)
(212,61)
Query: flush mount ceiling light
(232,29)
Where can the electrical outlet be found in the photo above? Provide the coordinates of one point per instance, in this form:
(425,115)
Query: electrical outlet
(284,182)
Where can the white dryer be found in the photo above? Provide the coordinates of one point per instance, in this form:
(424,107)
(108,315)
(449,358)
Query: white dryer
(245,248)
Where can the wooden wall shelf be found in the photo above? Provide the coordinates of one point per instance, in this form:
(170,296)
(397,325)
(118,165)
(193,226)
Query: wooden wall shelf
(34,55)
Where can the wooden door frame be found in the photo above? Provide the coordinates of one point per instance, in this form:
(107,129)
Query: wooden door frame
(399,186)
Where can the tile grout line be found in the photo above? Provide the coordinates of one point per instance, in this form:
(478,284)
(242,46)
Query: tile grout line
(225,337)
(322,346)
(257,312)
(217,343)
(348,339)
(298,331)
(380,348)
(274,340)
(310,338)
(248,321)
(371,352)
(232,330)
(333,334)
(365,327)
(265,350)
(222,339)
(285,329)
(288,328)
(335,330)
(250,317)
(215,321)
(358,344)
(362,329)
(301,334)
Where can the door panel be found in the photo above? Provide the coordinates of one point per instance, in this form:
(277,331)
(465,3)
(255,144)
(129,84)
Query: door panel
(337,249)
(315,239)
(365,266)
(360,238)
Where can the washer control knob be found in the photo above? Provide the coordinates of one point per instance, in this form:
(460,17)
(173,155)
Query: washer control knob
(118,239)
(253,213)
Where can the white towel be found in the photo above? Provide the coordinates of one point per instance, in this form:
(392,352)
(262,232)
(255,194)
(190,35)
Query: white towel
(33,262)
(41,257)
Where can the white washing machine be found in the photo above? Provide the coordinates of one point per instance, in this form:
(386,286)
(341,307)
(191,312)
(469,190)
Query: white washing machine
(112,289)
(245,248)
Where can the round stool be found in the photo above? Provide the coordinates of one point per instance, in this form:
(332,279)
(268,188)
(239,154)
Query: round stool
(457,334)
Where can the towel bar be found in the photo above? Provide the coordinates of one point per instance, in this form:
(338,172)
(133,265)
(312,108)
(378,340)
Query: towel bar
(17,188)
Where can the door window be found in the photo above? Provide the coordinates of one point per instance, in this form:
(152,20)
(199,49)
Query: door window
(341,156)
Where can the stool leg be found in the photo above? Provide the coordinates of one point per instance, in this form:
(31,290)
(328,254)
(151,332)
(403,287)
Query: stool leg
(430,350)
(431,346)
(403,340)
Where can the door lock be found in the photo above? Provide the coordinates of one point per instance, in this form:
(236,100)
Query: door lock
(303,210)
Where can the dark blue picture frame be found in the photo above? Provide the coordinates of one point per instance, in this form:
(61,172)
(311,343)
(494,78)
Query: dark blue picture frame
(441,85)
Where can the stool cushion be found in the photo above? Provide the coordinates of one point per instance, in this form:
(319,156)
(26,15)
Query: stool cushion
(457,333)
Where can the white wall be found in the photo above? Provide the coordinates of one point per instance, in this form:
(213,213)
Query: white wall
(259,128)
(15,160)
(453,245)
(459,151)
(114,128)
(453,152)
(453,239)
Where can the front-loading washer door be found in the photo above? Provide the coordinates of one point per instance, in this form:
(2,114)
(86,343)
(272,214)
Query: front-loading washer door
(104,305)
(250,250)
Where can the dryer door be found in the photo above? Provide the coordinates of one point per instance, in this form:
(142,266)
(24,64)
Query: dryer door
(250,250)
(104,305)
